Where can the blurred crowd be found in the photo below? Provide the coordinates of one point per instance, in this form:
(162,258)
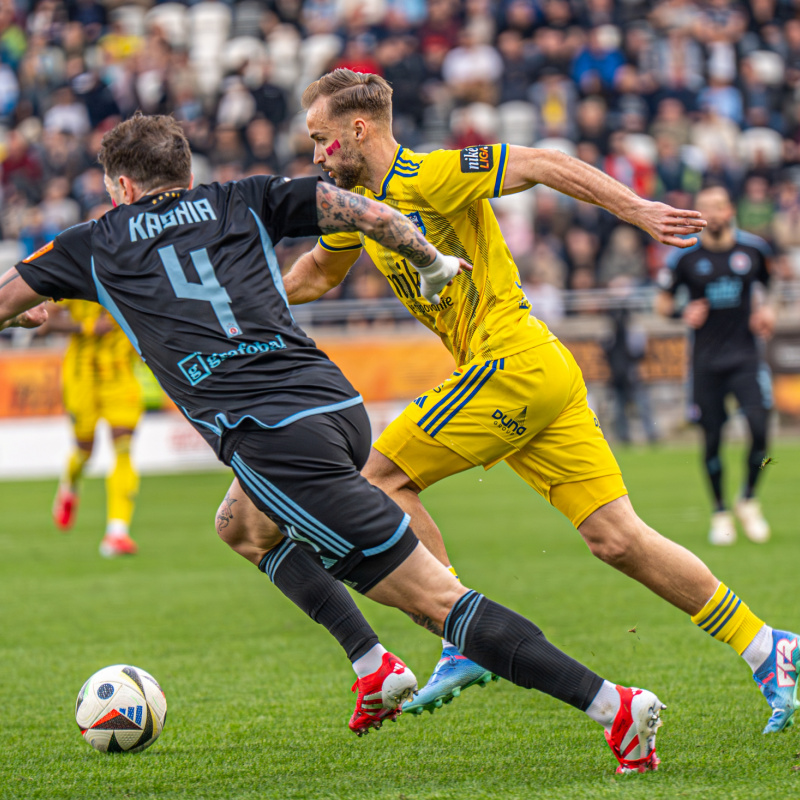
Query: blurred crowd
(665,96)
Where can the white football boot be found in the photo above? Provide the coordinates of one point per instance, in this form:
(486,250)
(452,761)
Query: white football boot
(749,512)
(723,529)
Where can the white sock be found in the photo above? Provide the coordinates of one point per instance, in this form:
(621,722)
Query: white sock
(758,651)
(370,662)
(445,643)
(605,705)
(117,529)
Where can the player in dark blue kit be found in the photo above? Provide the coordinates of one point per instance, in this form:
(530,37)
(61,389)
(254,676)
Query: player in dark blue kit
(192,278)
(726,274)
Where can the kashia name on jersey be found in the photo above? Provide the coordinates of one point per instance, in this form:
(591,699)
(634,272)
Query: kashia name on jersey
(147,225)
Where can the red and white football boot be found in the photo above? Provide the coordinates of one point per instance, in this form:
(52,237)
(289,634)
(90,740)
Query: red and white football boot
(632,735)
(114,546)
(381,694)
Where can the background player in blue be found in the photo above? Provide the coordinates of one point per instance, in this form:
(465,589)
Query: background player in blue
(191,276)
(725,274)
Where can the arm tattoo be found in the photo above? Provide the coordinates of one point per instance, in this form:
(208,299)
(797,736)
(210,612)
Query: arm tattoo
(225,513)
(426,623)
(340,210)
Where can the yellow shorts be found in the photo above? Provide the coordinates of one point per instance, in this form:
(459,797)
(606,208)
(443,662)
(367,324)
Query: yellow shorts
(117,401)
(529,410)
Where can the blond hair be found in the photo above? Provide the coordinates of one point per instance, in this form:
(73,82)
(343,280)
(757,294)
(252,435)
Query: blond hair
(349,92)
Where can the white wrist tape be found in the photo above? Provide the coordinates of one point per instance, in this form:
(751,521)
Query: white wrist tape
(436,276)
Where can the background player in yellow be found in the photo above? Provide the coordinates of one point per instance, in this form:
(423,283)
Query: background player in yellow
(517,394)
(98,383)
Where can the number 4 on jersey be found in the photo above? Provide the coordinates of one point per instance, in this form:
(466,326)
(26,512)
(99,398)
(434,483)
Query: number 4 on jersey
(208,290)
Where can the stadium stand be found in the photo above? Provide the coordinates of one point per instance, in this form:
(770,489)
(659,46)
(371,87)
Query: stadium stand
(712,85)
(666,96)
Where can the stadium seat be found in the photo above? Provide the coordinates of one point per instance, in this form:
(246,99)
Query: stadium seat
(201,169)
(518,123)
(10,253)
(761,144)
(316,54)
(237,52)
(210,24)
(367,12)
(479,118)
(768,67)
(247,16)
(641,148)
(170,19)
(557,143)
(131,18)
(208,76)
(210,19)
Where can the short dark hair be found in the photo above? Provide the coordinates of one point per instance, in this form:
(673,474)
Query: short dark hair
(151,151)
(716,186)
(352,92)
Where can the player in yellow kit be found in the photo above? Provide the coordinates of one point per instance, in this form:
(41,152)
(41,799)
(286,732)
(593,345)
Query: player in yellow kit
(484,412)
(517,394)
(98,383)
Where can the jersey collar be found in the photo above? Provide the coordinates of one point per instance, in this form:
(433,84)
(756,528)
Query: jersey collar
(399,166)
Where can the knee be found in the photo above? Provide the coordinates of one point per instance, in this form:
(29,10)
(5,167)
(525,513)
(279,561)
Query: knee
(758,432)
(244,528)
(229,527)
(614,545)
(712,441)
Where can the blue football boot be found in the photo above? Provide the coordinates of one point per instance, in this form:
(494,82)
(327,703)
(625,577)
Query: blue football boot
(451,676)
(777,679)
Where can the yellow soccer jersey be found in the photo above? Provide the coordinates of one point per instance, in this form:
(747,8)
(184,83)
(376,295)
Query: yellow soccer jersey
(104,358)
(445,193)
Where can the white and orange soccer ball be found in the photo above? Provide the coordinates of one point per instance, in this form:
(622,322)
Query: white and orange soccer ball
(121,709)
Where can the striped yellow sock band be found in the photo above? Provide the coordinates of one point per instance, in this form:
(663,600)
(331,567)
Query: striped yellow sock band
(727,618)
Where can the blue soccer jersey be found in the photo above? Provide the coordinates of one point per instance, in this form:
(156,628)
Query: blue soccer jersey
(192,278)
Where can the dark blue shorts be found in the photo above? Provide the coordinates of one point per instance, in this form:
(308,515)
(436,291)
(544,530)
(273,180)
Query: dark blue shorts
(306,478)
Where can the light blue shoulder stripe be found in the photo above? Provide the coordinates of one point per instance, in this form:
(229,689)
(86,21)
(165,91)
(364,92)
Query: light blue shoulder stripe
(675,255)
(750,239)
(272,261)
(109,305)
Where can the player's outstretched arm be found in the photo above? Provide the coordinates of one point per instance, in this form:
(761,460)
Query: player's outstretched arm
(339,210)
(20,306)
(528,166)
(317,272)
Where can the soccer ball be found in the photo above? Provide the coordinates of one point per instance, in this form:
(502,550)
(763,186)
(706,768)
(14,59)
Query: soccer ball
(121,709)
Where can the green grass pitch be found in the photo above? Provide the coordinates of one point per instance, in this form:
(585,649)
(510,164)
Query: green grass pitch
(259,696)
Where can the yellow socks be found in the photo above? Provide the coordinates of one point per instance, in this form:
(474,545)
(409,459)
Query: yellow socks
(77,461)
(727,618)
(122,485)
